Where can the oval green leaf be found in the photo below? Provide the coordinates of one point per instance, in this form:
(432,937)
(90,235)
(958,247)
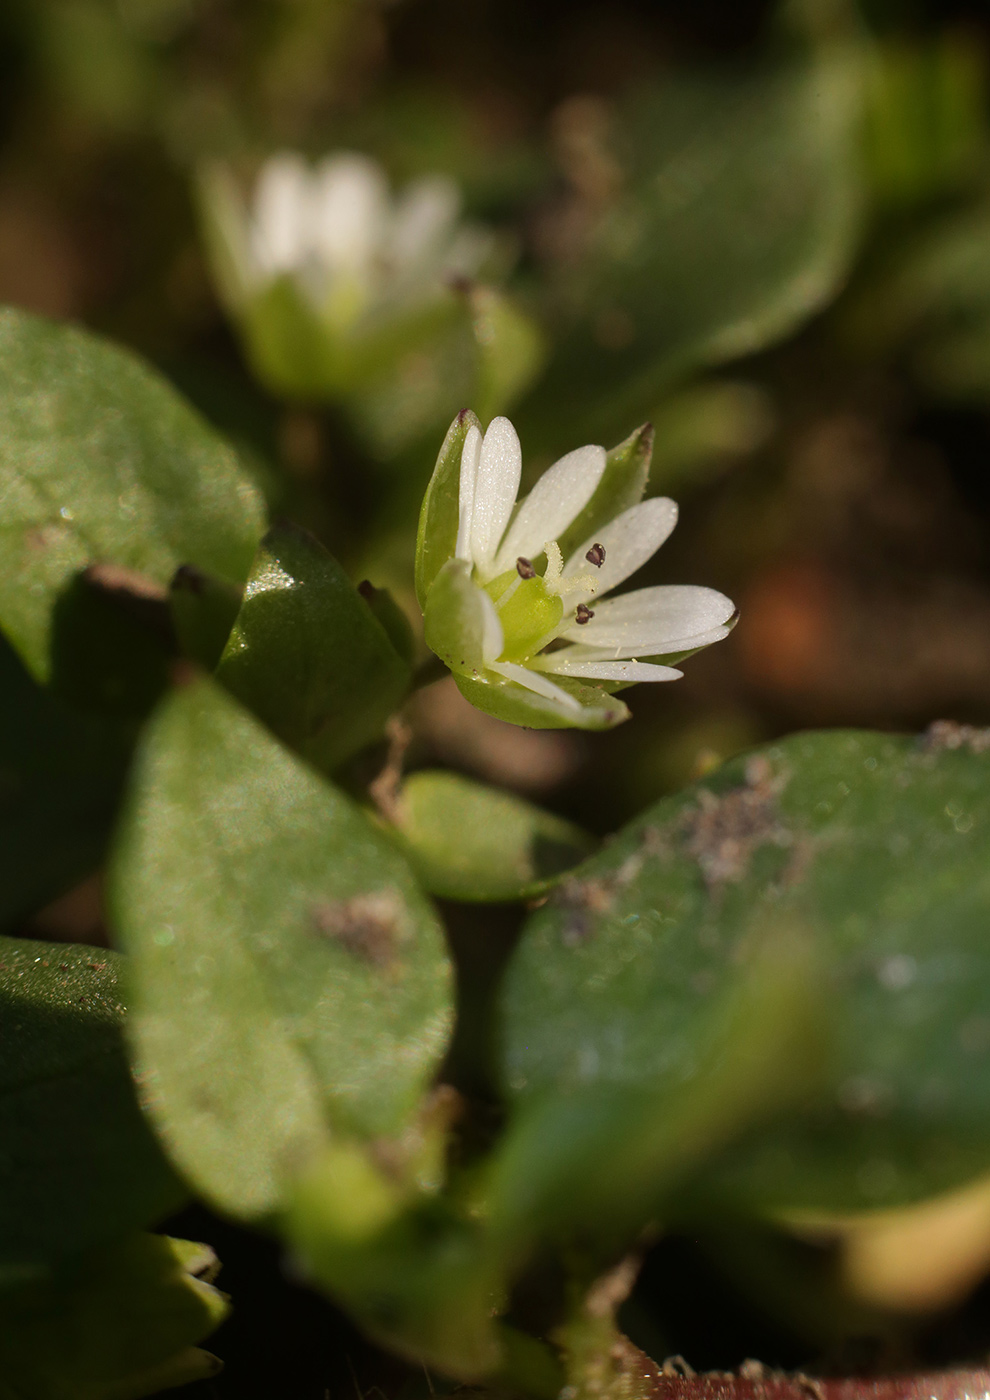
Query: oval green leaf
(307,653)
(101,461)
(288,978)
(471,842)
(871,851)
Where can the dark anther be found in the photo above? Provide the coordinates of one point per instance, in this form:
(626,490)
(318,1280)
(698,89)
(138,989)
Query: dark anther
(583,614)
(367,589)
(596,555)
(525,569)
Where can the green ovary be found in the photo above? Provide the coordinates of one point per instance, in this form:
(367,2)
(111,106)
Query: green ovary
(529,613)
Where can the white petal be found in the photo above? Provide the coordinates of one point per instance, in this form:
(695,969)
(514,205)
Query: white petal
(348,212)
(559,663)
(467,484)
(422,222)
(628,540)
(651,621)
(492,638)
(561,493)
(669,648)
(499,471)
(530,680)
(281,212)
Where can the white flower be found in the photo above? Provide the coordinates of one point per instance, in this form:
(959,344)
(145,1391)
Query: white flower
(509,614)
(336,230)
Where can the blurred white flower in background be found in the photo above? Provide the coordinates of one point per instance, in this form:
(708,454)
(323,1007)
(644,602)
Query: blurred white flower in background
(355,250)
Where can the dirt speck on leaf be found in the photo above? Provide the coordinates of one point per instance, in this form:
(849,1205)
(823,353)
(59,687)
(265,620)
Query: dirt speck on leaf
(723,830)
(583,901)
(946,734)
(370,926)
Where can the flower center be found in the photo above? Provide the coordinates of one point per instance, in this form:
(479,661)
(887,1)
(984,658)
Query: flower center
(531,608)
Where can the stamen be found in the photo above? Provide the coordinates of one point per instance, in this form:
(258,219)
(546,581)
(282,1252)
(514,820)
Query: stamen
(583,614)
(579,583)
(596,555)
(524,568)
(555,564)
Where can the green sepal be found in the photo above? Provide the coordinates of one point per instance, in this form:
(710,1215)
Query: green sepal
(119,1323)
(454,619)
(307,654)
(471,842)
(203,611)
(623,484)
(512,702)
(436,538)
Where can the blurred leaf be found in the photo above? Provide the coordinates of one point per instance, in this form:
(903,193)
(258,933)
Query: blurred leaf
(96,67)
(101,462)
(467,841)
(510,348)
(415,1278)
(118,1324)
(736,218)
(926,128)
(60,778)
(307,654)
(79,1163)
(597,1152)
(935,298)
(702,430)
(287,976)
(869,849)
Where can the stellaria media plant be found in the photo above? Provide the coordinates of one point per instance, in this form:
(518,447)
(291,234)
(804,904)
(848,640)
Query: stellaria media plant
(525,628)
(763,1001)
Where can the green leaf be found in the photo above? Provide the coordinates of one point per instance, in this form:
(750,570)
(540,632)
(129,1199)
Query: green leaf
(118,1324)
(417,1279)
(735,217)
(308,655)
(472,842)
(437,536)
(925,118)
(80,1164)
(869,851)
(102,462)
(393,619)
(60,777)
(288,979)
